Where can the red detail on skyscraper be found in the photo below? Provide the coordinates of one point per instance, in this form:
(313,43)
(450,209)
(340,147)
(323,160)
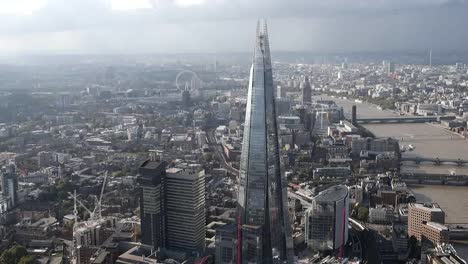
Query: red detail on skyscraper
(340,255)
(239,239)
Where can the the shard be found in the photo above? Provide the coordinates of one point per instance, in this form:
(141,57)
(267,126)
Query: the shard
(264,230)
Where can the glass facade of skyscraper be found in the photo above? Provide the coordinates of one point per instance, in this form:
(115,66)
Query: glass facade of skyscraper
(264,230)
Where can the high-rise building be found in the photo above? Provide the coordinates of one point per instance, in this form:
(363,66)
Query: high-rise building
(420,214)
(327,219)
(172,208)
(264,230)
(391,68)
(152,203)
(185,210)
(306,92)
(280,91)
(9,182)
(226,244)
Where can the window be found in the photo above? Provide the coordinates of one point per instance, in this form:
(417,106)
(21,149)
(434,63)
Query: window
(226,254)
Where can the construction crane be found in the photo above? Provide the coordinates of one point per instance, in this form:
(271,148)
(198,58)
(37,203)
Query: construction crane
(96,214)
(75,211)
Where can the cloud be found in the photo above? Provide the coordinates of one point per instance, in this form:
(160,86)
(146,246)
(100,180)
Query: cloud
(21,7)
(139,26)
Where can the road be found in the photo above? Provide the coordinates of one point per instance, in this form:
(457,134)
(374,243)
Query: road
(218,151)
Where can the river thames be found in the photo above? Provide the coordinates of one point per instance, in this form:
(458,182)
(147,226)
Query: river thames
(430,141)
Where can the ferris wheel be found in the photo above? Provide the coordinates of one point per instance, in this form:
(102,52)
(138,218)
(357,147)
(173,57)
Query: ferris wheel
(188,80)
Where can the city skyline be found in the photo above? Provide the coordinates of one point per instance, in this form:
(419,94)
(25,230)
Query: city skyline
(142,132)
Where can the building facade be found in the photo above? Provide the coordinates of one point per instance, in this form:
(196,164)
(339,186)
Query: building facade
(185,211)
(263,218)
(419,214)
(226,244)
(152,203)
(327,220)
(9,184)
(306,92)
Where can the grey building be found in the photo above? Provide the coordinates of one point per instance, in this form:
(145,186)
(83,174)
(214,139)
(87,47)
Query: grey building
(327,219)
(263,215)
(152,180)
(306,92)
(185,211)
(226,244)
(9,182)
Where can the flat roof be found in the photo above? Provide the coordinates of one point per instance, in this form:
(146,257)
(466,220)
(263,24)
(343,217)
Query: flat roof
(432,207)
(437,226)
(149,164)
(334,193)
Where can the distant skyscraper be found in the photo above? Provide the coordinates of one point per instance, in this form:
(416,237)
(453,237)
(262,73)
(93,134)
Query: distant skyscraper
(306,92)
(9,181)
(430,58)
(391,68)
(264,230)
(152,203)
(280,91)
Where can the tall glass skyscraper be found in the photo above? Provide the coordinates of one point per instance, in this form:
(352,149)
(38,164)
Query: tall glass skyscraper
(264,230)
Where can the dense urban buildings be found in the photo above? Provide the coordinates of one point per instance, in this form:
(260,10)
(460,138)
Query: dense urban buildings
(217,158)
(263,215)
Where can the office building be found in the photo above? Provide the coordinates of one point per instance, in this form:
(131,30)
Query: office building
(9,182)
(152,180)
(185,211)
(226,244)
(263,216)
(391,68)
(306,92)
(172,208)
(419,214)
(280,91)
(283,106)
(435,233)
(327,220)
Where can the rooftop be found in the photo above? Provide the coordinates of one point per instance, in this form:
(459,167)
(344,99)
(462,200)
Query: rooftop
(437,226)
(432,207)
(148,164)
(334,193)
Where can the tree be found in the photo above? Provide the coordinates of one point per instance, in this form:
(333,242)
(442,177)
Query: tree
(363,214)
(13,255)
(413,247)
(27,260)
(387,232)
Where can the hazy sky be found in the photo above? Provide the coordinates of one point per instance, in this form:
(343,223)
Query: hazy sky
(158,26)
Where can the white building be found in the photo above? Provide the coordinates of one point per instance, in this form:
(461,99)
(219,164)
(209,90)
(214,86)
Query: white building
(381,215)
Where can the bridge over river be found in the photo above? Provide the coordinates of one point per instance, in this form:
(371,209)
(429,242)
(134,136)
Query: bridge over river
(402,119)
(435,161)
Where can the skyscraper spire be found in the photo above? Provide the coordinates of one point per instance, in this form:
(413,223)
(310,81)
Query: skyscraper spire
(264,234)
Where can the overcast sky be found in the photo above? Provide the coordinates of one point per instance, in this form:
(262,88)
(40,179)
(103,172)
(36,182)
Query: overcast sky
(176,26)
